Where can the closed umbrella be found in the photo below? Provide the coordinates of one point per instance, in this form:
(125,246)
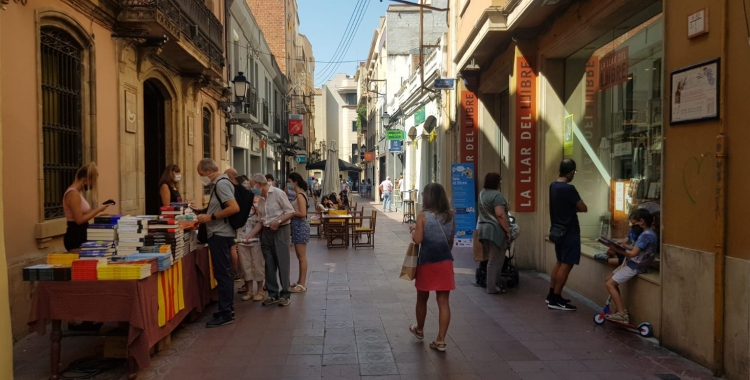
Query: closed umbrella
(331,182)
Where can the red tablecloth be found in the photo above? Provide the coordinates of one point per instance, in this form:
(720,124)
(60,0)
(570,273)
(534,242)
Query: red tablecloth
(135,302)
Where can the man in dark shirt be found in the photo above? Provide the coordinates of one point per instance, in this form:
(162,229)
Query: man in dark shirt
(564,206)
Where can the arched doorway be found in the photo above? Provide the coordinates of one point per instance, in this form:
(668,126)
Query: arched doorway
(155,98)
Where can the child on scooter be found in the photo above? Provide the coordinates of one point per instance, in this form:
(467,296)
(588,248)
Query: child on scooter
(637,260)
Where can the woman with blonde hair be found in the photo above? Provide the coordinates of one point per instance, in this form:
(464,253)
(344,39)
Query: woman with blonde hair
(76,207)
(434,231)
(168,185)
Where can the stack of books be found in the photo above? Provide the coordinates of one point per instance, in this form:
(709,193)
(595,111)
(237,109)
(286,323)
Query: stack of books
(164,259)
(131,234)
(171,212)
(103,229)
(87,269)
(62,259)
(168,231)
(47,272)
(124,272)
(97,249)
(164,248)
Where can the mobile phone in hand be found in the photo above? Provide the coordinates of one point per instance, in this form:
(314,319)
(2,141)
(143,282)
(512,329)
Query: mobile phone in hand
(109,202)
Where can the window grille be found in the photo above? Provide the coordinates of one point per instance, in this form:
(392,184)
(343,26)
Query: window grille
(62,127)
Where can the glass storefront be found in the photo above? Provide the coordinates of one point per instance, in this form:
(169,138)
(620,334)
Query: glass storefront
(613,122)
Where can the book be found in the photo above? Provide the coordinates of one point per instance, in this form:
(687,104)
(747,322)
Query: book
(161,222)
(132,235)
(611,243)
(101,226)
(170,208)
(98,244)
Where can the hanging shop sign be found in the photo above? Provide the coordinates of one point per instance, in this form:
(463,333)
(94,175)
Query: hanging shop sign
(395,134)
(444,83)
(369,156)
(301,159)
(525,154)
(613,69)
(469,127)
(464,202)
(419,116)
(296,126)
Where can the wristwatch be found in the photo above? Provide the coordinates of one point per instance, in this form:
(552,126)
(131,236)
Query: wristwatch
(213,216)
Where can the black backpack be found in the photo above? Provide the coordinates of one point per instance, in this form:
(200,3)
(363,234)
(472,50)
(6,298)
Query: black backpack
(244,198)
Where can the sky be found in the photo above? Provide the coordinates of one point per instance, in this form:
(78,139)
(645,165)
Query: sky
(324,23)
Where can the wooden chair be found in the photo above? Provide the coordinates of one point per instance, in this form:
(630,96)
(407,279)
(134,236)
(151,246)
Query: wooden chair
(336,229)
(368,230)
(356,220)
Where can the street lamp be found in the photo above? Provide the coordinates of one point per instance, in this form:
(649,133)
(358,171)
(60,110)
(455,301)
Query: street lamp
(386,118)
(240,86)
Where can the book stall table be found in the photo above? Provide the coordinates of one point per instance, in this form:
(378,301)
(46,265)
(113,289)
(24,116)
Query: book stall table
(133,301)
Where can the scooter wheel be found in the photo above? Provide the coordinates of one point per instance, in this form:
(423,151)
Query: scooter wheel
(645,330)
(599,318)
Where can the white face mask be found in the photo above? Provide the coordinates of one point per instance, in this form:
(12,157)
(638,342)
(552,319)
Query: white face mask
(177,177)
(246,185)
(205,181)
(270,183)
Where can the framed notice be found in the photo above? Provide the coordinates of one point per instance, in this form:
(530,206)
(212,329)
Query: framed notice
(568,136)
(191,130)
(695,93)
(131,124)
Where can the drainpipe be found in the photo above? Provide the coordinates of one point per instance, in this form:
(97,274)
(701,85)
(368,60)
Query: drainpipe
(721,204)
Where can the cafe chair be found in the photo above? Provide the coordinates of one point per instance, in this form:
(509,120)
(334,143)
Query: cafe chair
(366,229)
(337,230)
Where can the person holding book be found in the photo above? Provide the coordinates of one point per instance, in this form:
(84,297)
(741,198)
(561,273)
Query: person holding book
(221,235)
(76,207)
(638,258)
(300,232)
(168,185)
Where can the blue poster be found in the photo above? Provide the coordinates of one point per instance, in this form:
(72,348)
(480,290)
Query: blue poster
(462,182)
(396,146)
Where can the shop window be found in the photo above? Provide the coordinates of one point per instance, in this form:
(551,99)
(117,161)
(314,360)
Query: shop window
(62,122)
(612,124)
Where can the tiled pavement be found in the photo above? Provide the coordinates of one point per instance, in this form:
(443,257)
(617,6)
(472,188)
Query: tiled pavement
(352,324)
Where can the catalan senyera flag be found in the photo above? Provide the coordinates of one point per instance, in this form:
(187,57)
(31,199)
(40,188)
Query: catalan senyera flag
(171,294)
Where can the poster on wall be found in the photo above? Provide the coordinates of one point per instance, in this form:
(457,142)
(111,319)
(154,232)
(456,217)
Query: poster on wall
(695,93)
(568,136)
(464,202)
(524,195)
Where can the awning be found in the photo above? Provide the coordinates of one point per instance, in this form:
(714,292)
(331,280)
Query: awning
(343,166)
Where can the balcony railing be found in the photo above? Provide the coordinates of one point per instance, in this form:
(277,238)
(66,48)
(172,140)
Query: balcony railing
(251,103)
(264,112)
(194,20)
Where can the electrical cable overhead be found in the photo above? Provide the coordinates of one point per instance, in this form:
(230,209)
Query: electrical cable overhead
(357,7)
(256,51)
(328,73)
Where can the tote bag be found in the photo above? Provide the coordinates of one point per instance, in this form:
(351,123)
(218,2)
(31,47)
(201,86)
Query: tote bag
(409,268)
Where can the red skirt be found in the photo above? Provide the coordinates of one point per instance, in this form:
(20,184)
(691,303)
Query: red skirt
(435,277)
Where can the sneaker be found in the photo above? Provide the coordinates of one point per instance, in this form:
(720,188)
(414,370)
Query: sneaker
(619,317)
(216,315)
(270,301)
(560,305)
(260,296)
(601,257)
(549,297)
(285,301)
(218,322)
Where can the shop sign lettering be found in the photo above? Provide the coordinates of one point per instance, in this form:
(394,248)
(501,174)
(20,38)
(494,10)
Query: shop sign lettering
(526,135)
(613,69)
(469,128)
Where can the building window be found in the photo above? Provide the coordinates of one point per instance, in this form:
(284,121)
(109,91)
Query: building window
(613,125)
(206,141)
(62,128)
(354,126)
(351,99)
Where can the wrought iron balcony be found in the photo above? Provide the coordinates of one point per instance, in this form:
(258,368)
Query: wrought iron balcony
(251,102)
(179,21)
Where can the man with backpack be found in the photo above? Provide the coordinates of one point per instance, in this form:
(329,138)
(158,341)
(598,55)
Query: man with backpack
(222,205)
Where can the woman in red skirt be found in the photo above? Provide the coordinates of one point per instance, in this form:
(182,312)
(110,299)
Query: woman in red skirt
(434,232)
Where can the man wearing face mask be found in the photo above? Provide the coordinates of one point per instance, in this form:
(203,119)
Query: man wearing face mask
(275,212)
(221,205)
(564,206)
(232,174)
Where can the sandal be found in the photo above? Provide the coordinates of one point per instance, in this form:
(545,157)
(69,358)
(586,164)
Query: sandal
(242,290)
(436,345)
(297,288)
(247,297)
(417,333)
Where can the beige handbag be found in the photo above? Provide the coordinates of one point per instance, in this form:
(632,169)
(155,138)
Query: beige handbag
(409,268)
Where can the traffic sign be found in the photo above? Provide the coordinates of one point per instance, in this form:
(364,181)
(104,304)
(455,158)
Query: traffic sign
(444,83)
(396,146)
(395,134)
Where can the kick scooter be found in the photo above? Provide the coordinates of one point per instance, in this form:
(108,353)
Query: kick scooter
(644,329)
